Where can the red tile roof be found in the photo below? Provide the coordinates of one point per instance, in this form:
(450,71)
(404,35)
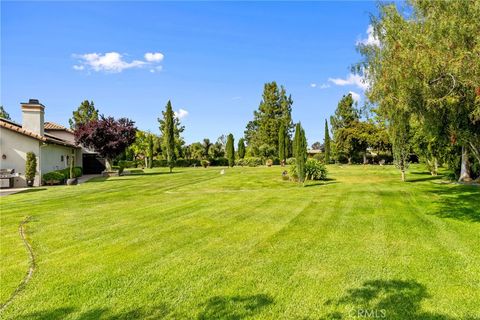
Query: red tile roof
(46,138)
(55,126)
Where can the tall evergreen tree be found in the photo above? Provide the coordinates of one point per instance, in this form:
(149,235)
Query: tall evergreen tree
(343,122)
(241,148)
(150,150)
(230,149)
(274,109)
(85,112)
(282,147)
(300,150)
(326,143)
(168,134)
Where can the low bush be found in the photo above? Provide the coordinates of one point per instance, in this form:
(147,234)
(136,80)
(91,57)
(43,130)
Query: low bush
(221,162)
(269,162)
(252,161)
(240,162)
(320,157)
(77,172)
(290,161)
(53,177)
(315,170)
(205,163)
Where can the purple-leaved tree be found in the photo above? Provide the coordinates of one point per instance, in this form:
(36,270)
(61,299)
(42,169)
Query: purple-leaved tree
(107,136)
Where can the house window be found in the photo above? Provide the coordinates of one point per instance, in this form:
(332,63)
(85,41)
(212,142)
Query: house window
(61,158)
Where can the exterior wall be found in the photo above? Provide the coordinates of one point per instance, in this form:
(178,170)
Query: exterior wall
(15,147)
(64,135)
(68,136)
(51,157)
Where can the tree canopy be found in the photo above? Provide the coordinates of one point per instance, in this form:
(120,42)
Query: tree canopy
(85,112)
(107,136)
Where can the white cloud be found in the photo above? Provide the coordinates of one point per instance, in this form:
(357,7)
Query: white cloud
(352,79)
(154,56)
(114,62)
(371,39)
(355,96)
(108,62)
(320,86)
(181,113)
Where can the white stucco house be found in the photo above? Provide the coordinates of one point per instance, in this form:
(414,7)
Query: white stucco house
(52,144)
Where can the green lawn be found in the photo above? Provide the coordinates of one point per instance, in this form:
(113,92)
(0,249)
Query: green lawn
(245,245)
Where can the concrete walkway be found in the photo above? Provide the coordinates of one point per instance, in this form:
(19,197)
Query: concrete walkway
(82,179)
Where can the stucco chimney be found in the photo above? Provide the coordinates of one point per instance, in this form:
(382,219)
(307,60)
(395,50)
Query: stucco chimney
(33,116)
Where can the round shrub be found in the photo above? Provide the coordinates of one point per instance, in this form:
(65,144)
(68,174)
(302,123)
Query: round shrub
(269,162)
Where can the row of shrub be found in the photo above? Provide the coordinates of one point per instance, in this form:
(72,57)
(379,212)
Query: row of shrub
(221,161)
(59,176)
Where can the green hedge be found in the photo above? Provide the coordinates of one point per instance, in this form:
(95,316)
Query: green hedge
(249,162)
(62,175)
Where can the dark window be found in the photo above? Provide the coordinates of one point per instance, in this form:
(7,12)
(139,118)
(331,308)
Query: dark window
(61,158)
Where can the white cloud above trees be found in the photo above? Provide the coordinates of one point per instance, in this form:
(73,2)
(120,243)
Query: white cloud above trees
(114,62)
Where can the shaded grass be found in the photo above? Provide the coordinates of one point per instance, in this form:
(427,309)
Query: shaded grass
(197,244)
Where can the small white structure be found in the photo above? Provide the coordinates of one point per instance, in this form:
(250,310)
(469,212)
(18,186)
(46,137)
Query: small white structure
(52,144)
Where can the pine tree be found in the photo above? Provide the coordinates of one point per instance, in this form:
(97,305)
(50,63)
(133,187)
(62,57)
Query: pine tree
(281,143)
(230,149)
(327,143)
(169,135)
(84,113)
(241,148)
(275,109)
(300,150)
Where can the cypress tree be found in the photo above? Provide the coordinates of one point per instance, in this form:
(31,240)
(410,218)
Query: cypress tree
(230,150)
(241,148)
(150,150)
(300,150)
(169,135)
(281,143)
(327,143)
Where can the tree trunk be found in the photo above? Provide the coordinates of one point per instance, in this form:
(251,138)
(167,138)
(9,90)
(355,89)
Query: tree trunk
(365,157)
(465,167)
(349,160)
(403,175)
(108,164)
(476,152)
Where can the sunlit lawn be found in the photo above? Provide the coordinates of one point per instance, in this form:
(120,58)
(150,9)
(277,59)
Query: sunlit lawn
(199,245)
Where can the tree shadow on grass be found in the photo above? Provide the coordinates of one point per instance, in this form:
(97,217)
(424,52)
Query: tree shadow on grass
(319,183)
(387,299)
(461,202)
(31,190)
(234,308)
(425,177)
(156,312)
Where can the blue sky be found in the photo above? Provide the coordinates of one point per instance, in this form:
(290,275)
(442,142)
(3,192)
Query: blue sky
(210,59)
